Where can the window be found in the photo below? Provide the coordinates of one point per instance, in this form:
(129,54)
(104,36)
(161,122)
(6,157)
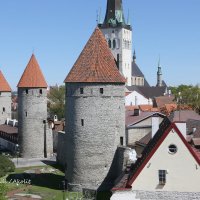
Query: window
(40,91)
(114,44)
(162,176)
(172,149)
(81,90)
(101,90)
(121,141)
(109,43)
(0,93)
(4,109)
(26,114)
(26,91)
(82,122)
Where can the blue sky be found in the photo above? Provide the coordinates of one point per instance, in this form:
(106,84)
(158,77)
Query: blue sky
(57,30)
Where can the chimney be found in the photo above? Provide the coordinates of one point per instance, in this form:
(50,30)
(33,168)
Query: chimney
(182,128)
(154,124)
(136,112)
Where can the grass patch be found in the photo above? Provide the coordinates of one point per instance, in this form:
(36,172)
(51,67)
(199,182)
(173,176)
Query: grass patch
(46,181)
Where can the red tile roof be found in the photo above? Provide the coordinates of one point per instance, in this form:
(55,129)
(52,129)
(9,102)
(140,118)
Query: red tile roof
(32,76)
(96,63)
(4,86)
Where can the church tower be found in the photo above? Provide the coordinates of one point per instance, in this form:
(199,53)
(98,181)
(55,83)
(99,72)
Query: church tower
(94,114)
(5,99)
(35,139)
(159,76)
(118,34)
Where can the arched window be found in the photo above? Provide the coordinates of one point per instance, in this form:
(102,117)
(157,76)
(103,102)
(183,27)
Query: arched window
(109,43)
(114,44)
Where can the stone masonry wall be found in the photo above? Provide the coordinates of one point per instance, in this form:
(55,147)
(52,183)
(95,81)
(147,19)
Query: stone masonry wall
(164,195)
(32,111)
(5,106)
(94,124)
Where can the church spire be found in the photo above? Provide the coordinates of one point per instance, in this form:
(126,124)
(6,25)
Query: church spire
(114,15)
(159,75)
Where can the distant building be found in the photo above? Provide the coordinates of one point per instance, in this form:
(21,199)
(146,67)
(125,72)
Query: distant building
(5,99)
(9,135)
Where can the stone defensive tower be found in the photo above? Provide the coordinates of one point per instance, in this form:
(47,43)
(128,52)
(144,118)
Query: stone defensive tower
(118,34)
(5,99)
(35,139)
(95,119)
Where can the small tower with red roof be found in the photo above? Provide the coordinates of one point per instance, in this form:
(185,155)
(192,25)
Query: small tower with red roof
(5,99)
(94,114)
(34,138)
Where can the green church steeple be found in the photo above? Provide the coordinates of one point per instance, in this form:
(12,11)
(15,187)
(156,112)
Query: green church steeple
(114,15)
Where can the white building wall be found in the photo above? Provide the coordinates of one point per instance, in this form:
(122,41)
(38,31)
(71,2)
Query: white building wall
(183,171)
(135,98)
(123,48)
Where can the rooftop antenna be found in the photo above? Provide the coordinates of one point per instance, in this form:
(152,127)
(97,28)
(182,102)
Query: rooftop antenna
(128,18)
(97,17)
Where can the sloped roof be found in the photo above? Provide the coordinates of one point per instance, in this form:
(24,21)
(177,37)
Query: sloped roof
(148,92)
(131,119)
(152,147)
(8,129)
(4,86)
(32,76)
(96,63)
(184,115)
(136,70)
(162,100)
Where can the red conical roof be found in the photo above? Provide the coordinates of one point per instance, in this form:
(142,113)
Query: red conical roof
(96,63)
(32,76)
(4,86)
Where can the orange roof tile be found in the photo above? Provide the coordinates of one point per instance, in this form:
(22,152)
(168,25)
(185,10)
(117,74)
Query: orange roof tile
(96,63)
(32,76)
(4,86)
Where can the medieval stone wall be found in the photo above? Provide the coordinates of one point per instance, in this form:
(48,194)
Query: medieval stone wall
(94,124)
(32,111)
(5,106)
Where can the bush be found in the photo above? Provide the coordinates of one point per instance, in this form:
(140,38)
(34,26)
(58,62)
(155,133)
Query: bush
(3,191)
(6,166)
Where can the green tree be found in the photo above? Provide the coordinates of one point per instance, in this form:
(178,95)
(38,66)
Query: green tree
(187,95)
(56,101)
